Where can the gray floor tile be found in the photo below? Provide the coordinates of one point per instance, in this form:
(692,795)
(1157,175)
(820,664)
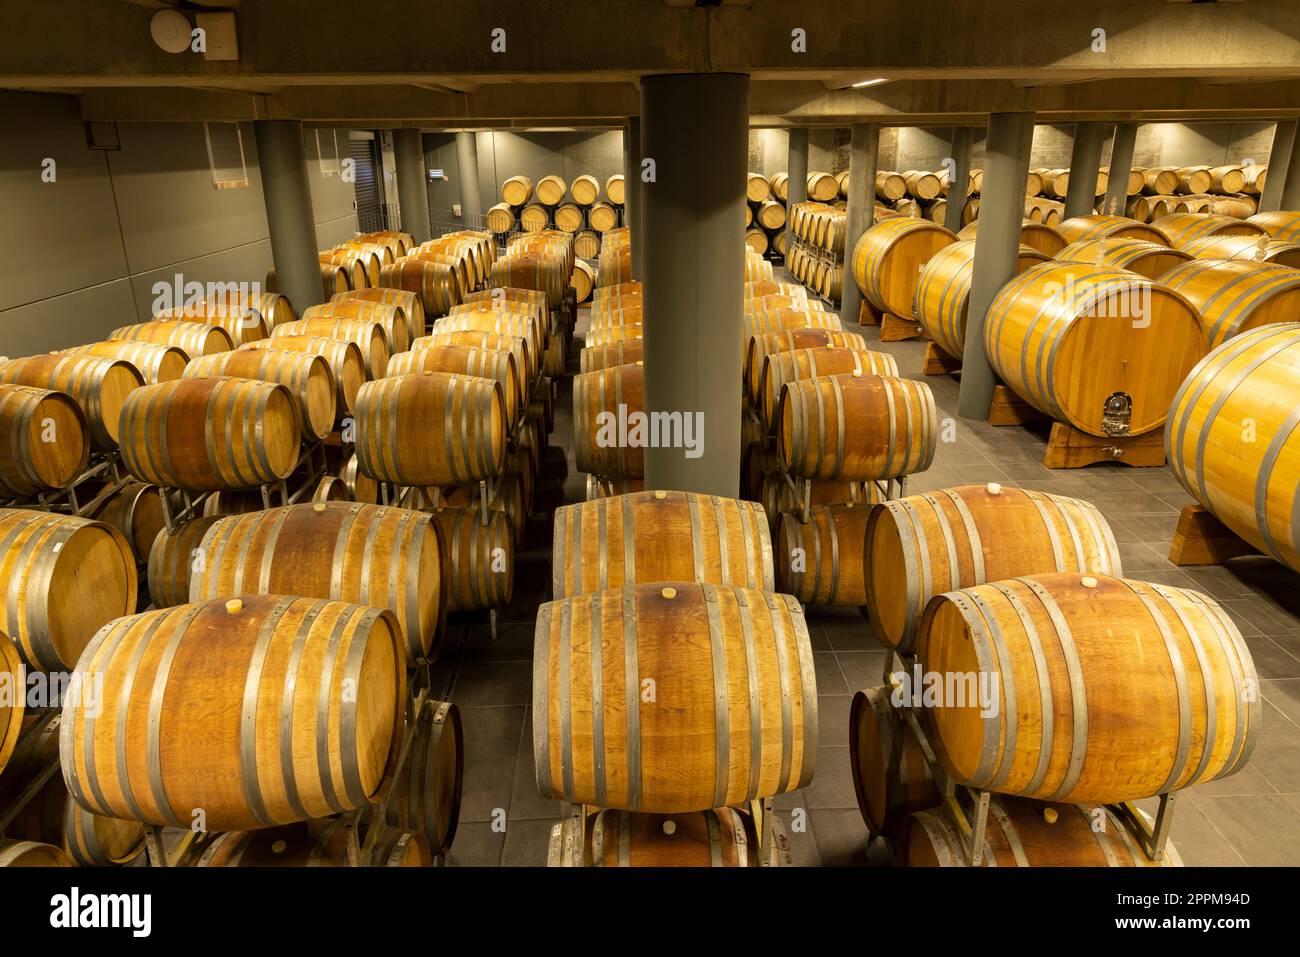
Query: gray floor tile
(526,843)
(491,751)
(832,784)
(1264,830)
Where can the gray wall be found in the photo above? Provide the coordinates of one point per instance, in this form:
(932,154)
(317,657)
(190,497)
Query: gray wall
(79,256)
(503,154)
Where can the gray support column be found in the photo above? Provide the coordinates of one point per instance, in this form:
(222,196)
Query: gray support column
(632,194)
(471,200)
(1085,162)
(412,194)
(1284,138)
(963,137)
(283,165)
(1290,198)
(796,171)
(997,248)
(1121,164)
(691,229)
(864,147)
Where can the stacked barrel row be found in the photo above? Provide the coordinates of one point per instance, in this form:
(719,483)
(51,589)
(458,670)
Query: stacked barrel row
(672,685)
(575,207)
(1009,609)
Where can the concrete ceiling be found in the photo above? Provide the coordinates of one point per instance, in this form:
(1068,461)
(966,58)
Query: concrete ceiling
(578,64)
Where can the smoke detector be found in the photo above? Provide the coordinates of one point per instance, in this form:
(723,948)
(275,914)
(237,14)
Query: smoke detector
(170,30)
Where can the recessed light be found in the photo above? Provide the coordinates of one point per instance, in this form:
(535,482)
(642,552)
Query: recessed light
(875,82)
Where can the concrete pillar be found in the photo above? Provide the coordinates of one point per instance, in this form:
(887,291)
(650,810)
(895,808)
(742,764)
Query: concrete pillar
(1085,162)
(1290,198)
(1121,164)
(691,229)
(796,171)
(412,194)
(471,200)
(864,147)
(1284,138)
(283,165)
(963,137)
(997,248)
(632,193)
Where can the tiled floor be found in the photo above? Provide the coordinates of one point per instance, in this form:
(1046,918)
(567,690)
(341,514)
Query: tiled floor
(1251,818)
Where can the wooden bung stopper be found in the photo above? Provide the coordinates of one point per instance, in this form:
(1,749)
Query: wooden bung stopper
(661,495)
(234,606)
(993,488)
(1050,815)
(670,827)
(1087,581)
(669,592)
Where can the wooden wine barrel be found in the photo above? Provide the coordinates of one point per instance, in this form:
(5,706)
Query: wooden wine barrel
(1116,345)
(411,305)
(369,337)
(468,361)
(583,281)
(750,732)
(821,563)
(890,187)
(344,551)
(534,218)
(1235,296)
(778,319)
(602,217)
(393,419)
(13,702)
(586,245)
(1232,442)
(1280,224)
(659,536)
(32,854)
(517,190)
(597,397)
(856,427)
(780,368)
(360,486)
(307,377)
(1182,228)
(551,190)
(241,323)
(1139,208)
(720,837)
(888,257)
(1024,833)
(569,217)
(585,189)
(527,319)
(90,840)
(336,669)
(173,558)
(501,218)
(1151,260)
(921,185)
(192,338)
(1194,179)
(65,577)
(756,239)
(615,189)
(532,271)
(822,187)
(436,284)
(479,559)
(1096,226)
(319,843)
(99,386)
(346,363)
(135,510)
(1061,722)
(890,774)
(942,293)
(1252,248)
(593,358)
(48,440)
(787,340)
(1160,181)
(427,791)
(390,316)
(757,188)
(155,363)
(209,434)
(922,545)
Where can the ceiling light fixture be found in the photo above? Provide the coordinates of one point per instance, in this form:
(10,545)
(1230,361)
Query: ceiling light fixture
(875,82)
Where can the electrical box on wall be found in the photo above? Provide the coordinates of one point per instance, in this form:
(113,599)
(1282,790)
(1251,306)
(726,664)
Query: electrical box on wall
(220,40)
(437,174)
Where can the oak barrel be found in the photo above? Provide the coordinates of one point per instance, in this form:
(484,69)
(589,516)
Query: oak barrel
(155,362)
(427,790)
(1151,260)
(1257,248)
(307,377)
(1280,224)
(48,440)
(780,368)
(720,837)
(820,562)
(99,386)
(318,843)
(368,336)
(135,510)
(192,338)
(517,190)
(32,854)
(1235,296)
(347,364)
(436,284)
(12,700)
(468,361)
(478,559)
(600,400)
(173,559)
(1097,225)
(890,774)
(1182,228)
(888,256)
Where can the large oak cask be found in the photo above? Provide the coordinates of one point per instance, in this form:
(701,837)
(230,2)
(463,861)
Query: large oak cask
(242,323)
(1232,440)
(673,697)
(346,363)
(1182,228)
(922,545)
(602,402)
(426,793)
(888,257)
(780,368)
(1086,688)
(1110,347)
(192,338)
(100,386)
(1280,224)
(856,427)
(890,774)
(478,559)
(345,551)
(209,434)
(1252,248)
(48,441)
(1151,260)
(1038,236)
(91,840)
(1235,296)
(516,190)
(1097,225)
(253,712)
(369,337)
(398,442)
(516,345)
(1024,833)
(307,377)
(174,557)
(468,361)
(64,578)
(659,536)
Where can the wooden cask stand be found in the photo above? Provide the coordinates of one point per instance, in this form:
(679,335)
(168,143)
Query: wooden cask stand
(1069,448)
(1009,409)
(969,807)
(938,362)
(104,473)
(1201,539)
(892,328)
